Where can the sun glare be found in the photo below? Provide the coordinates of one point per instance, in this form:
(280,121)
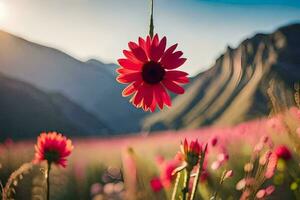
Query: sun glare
(3,10)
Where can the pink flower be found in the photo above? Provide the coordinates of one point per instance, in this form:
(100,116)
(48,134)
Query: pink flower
(271,167)
(215,165)
(283,152)
(204,176)
(156,184)
(261,194)
(149,69)
(228,174)
(295,112)
(270,189)
(214,141)
(166,172)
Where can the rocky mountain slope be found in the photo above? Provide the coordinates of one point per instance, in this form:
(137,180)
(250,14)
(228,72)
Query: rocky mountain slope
(26,111)
(90,84)
(235,88)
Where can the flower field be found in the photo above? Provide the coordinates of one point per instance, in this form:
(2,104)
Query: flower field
(253,160)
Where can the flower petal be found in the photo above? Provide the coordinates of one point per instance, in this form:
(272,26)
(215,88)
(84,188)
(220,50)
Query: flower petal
(159,93)
(155,41)
(128,78)
(148,95)
(169,59)
(129,64)
(131,56)
(144,45)
(138,52)
(156,52)
(173,87)
(174,63)
(122,70)
(175,74)
(138,97)
(183,79)
(169,51)
(130,89)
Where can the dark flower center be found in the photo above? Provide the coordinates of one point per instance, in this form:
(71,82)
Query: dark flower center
(153,72)
(52,155)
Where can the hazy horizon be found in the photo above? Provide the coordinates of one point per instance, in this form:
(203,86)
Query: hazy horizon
(88,29)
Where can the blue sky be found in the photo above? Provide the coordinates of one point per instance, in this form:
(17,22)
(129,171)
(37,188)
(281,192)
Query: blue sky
(101,28)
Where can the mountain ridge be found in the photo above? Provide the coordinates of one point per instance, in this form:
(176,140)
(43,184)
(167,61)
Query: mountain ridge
(90,84)
(26,111)
(235,88)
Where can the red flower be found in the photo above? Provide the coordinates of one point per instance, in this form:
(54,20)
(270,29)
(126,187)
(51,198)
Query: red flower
(53,148)
(156,184)
(149,68)
(191,152)
(283,152)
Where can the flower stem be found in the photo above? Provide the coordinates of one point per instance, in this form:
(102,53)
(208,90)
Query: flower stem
(185,189)
(151,28)
(199,171)
(48,180)
(176,186)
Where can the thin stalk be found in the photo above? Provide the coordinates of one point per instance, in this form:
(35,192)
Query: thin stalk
(198,174)
(48,180)
(185,189)
(151,28)
(176,186)
(214,197)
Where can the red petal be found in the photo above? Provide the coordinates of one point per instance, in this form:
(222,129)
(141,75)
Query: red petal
(171,58)
(130,89)
(181,80)
(153,105)
(132,45)
(156,52)
(159,92)
(131,56)
(138,52)
(169,51)
(129,64)
(155,41)
(173,87)
(124,71)
(165,96)
(143,45)
(128,78)
(148,95)
(137,99)
(174,63)
(175,74)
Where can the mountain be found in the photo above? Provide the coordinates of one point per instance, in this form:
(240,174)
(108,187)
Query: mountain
(90,84)
(26,111)
(237,87)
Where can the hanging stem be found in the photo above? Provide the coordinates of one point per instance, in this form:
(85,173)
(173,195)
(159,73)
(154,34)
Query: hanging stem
(151,28)
(185,189)
(48,180)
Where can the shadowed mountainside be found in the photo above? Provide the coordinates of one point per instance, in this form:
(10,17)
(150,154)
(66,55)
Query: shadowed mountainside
(26,111)
(90,84)
(235,88)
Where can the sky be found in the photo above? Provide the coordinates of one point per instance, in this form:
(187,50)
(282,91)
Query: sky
(101,29)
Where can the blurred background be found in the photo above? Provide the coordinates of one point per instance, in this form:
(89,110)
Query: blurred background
(57,73)
(58,61)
